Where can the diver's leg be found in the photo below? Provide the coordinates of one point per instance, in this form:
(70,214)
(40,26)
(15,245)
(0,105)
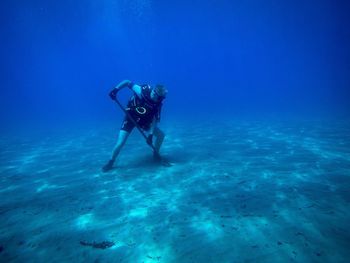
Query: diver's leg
(157,144)
(122,137)
(159,138)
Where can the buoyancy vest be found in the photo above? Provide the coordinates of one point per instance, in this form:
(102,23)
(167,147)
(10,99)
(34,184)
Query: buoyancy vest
(143,109)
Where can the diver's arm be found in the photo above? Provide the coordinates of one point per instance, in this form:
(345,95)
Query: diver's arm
(137,89)
(125,84)
(131,85)
(121,85)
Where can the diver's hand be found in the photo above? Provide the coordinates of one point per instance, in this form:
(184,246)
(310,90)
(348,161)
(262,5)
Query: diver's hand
(121,85)
(113,93)
(150,139)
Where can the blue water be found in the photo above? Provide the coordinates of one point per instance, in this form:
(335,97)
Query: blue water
(256,120)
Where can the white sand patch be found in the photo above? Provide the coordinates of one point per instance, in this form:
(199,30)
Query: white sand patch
(85,221)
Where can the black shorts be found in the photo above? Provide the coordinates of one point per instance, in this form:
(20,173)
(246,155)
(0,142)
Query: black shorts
(128,125)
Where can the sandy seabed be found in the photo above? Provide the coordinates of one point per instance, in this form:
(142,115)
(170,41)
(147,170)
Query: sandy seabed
(237,192)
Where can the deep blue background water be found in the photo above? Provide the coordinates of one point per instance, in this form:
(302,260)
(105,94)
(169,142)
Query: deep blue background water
(60,58)
(240,189)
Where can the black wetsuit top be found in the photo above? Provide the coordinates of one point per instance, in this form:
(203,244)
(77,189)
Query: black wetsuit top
(142,109)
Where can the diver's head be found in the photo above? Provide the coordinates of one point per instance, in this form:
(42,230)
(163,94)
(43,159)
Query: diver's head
(159,92)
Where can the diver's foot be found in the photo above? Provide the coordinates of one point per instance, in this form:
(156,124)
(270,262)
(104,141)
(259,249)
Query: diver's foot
(156,156)
(108,166)
(161,160)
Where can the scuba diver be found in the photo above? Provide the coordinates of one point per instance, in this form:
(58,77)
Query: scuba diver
(143,110)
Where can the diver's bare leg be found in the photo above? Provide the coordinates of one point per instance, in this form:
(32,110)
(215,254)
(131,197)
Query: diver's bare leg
(122,137)
(158,143)
(159,138)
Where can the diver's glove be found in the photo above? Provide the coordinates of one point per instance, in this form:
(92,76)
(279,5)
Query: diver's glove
(113,93)
(150,139)
(121,85)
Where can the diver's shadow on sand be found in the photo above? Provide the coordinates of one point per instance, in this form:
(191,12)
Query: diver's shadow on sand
(147,161)
(140,162)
